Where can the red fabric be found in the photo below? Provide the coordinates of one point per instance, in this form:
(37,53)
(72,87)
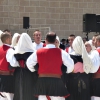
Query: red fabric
(98,50)
(48,97)
(99,67)
(67,49)
(98,70)
(67,96)
(3,62)
(44,45)
(22,63)
(49,60)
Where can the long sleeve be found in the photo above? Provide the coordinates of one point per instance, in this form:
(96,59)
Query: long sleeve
(31,62)
(11,59)
(94,56)
(67,61)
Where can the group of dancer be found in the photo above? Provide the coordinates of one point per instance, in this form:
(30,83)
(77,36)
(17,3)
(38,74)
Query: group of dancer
(37,71)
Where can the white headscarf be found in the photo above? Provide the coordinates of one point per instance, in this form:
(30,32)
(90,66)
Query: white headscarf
(1,32)
(24,44)
(58,39)
(14,39)
(93,47)
(94,56)
(0,38)
(80,49)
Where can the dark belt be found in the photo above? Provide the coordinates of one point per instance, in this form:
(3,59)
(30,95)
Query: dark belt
(50,75)
(96,75)
(5,73)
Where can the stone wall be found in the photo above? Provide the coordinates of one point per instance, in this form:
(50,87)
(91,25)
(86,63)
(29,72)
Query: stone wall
(62,16)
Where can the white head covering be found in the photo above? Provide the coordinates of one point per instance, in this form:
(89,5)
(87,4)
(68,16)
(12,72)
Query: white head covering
(0,38)
(93,47)
(79,48)
(14,39)
(94,55)
(1,32)
(58,39)
(24,44)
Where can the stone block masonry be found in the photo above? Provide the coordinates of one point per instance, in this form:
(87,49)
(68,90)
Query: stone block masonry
(62,16)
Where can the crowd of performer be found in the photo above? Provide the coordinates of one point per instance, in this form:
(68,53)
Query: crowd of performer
(51,70)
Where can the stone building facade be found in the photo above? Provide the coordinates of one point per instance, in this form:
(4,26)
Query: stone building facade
(62,16)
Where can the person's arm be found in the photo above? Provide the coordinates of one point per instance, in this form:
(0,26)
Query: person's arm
(11,59)
(31,62)
(67,61)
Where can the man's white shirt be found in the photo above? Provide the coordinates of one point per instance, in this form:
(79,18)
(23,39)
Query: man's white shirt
(37,46)
(66,59)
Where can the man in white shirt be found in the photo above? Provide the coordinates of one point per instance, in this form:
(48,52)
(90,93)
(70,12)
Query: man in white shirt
(37,40)
(70,39)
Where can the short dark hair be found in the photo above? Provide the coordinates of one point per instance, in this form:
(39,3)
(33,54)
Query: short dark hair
(63,40)
(7,30)
(36,31)
(67,41)
(95,35)
(5,36)
(71,35)
(51,37)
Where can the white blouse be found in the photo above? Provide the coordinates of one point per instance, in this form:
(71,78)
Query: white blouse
(94,56)
(11,59)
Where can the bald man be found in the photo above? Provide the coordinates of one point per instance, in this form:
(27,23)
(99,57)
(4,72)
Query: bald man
(49,85)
